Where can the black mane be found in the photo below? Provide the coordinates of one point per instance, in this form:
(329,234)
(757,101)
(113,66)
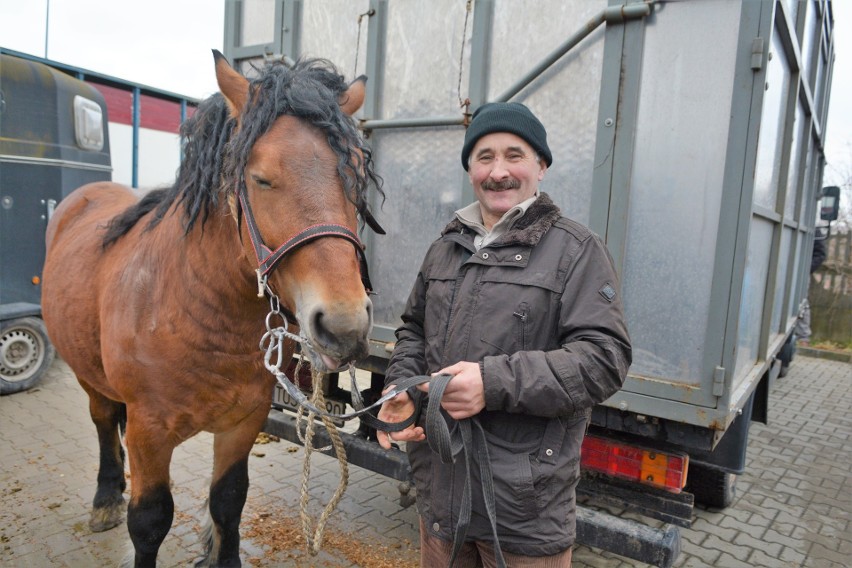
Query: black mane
(215,153)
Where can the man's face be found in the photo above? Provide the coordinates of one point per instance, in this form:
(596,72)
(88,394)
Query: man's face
(504,171)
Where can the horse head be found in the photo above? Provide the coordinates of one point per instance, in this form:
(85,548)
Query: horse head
(299,175)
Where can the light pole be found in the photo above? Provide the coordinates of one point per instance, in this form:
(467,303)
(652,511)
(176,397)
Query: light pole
(46,28)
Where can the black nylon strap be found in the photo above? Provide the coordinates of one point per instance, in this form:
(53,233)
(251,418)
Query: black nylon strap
(447,442)
(465,435)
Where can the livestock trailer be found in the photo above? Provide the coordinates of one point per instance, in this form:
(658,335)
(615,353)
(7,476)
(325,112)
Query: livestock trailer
(688,134)
(62,127)
(53,139)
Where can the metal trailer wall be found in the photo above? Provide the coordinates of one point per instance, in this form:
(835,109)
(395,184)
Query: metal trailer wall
(690,138)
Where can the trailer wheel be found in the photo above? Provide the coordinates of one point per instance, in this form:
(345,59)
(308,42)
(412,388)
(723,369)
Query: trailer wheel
(712,487)
(25,354)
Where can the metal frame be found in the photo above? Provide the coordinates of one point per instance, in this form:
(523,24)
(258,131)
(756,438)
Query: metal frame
(286,40)
(759,20)
(720,392)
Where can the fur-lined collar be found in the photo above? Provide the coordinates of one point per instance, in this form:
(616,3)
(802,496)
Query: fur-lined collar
(528,229)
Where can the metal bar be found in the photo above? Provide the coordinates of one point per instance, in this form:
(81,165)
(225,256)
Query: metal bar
(605,135)
(659,547)
(623,144)
(233,27)
(480,53)
(288,23)
(412,122)
(614,14)
(369,455)
(735,214)
(137,119)
(182,120)
(12,159)
(377,23)
(771,296)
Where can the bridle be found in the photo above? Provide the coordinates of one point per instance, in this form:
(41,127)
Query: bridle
(268,259)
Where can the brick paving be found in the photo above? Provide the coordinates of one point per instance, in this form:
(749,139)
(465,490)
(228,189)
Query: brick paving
(793,507)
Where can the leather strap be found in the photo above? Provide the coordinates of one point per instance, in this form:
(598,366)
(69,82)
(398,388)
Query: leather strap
(268,259)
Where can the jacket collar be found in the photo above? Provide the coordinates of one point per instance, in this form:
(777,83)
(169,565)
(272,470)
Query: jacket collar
(528,229)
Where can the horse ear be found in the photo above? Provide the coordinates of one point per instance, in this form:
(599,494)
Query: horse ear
(233,85)
(351,100)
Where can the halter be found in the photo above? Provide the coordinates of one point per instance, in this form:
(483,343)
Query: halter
(268,259)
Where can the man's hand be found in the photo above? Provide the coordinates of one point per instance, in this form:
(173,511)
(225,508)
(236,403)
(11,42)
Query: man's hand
(398,409)
(465,394)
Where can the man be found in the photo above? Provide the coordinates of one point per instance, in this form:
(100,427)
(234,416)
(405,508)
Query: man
(520,306)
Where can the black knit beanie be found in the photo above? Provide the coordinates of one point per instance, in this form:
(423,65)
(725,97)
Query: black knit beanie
(506,117)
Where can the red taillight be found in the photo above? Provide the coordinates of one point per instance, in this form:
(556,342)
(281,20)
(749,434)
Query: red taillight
(664,470)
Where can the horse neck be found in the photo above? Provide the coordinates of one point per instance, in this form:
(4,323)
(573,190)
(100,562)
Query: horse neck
(215,259)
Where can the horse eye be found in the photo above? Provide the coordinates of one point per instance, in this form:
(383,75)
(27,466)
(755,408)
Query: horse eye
(262,183)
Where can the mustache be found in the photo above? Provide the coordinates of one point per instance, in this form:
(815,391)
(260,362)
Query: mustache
(501,185)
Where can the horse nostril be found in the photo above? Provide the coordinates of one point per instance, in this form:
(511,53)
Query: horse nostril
(319,328)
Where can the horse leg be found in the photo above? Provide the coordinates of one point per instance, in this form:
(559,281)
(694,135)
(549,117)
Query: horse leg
(228,490)
(108,504)
(151,509)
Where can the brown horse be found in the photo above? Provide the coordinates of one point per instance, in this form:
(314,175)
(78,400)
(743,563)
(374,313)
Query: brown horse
(154,303)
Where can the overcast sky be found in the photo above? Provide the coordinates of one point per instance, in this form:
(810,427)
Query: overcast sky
(166,44)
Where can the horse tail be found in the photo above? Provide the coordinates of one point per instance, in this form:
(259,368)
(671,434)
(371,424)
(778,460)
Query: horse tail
(119,225)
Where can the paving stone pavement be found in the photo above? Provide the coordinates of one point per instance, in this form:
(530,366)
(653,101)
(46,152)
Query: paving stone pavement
(793,507)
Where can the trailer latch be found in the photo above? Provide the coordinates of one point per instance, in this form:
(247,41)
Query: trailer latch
(757,54)
(718,381)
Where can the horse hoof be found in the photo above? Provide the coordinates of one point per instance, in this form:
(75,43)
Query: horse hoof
(106,518)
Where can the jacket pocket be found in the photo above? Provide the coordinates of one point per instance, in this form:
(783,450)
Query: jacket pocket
(514,490)
(555,482)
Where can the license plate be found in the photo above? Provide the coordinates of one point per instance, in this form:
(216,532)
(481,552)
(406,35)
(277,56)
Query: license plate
(281,398)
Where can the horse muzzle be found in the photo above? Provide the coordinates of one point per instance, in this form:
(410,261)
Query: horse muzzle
(336,335)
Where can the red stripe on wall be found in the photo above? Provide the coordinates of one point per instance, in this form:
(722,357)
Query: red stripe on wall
(156,114)
(119,103)
(159,114)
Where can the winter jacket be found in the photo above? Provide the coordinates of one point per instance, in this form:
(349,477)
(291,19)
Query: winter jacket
(540,310)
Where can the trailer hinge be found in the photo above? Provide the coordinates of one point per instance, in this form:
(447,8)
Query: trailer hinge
(757,54)
(718,381)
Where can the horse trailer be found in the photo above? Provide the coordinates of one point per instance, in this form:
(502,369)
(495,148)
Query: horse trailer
(688,134)
(58,125)
(52,140)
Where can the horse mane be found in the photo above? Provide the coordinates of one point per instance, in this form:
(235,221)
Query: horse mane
(216,152)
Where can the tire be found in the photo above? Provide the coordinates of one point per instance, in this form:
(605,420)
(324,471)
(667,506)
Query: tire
(711,487)
(25,354)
